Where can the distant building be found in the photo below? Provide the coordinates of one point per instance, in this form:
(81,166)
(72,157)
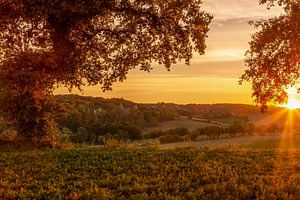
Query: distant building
(97,110)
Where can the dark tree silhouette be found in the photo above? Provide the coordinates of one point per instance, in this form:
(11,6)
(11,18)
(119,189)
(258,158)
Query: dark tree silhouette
(48,43)
(273,59)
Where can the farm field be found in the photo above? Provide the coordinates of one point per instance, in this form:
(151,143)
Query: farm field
(195,123)
(227,120)
(279,118)
(262,171)
(215,143)
(282,141)
(180,123)
(81,118)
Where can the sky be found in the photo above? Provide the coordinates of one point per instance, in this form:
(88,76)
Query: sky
(212,78)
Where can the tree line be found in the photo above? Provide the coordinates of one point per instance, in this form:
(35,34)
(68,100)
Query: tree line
(211,132)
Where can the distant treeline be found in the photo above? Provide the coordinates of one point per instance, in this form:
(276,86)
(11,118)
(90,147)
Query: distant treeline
(90,119)
(210,132)
(87,118)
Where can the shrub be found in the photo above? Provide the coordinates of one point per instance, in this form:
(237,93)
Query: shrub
(64,138)
(170,139)
(123,135)
(80,136)
(8,135)
(153,134)
(194,135)
(134,132)
(112,142)
(101,139)
(177,131)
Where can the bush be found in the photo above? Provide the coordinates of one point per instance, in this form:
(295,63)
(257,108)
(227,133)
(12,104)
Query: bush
(134,132)
(116,136)
(112,142)
(123,135)
(80,136)
(153,134)
(92,138)
(170,139)
(194,135)
(8,135)
(177,132)
(65,130)
(64,138)
(101,139)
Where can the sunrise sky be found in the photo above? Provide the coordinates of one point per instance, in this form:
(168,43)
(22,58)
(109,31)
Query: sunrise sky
(212,78)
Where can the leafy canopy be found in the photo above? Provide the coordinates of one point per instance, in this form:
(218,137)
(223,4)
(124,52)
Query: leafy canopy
(273,59)
(48,43)
(99,41)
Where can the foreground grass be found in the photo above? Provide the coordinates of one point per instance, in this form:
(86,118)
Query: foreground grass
(225,173)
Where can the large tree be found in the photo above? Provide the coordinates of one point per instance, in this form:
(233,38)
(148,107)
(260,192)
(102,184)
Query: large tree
(273,61)
(48,43)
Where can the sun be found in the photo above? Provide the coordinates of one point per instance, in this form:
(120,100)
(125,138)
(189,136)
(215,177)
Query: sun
(293,99)
(292,104)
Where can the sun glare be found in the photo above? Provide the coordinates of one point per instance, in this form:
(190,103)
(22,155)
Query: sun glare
(293,103)
(293,99)
(292,91)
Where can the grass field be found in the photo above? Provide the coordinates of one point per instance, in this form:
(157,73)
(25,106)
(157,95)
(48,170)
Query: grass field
(228,120)
(181,123)
(283,143)
(262,171)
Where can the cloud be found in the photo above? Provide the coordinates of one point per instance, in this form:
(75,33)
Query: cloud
(225,69)
(219,24)
(228,9)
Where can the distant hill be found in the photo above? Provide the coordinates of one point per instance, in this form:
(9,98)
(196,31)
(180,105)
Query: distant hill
(97,109)
(90,117)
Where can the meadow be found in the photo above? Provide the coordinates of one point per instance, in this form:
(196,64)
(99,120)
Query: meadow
(179,123)
(267,170)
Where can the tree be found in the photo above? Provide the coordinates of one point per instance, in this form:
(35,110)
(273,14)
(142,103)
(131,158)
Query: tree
(48,43)
(25,95)
(81,135)
(273,59)
(250,128)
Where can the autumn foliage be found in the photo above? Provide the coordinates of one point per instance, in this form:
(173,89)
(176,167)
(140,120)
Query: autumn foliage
(49,43)
(273,61)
